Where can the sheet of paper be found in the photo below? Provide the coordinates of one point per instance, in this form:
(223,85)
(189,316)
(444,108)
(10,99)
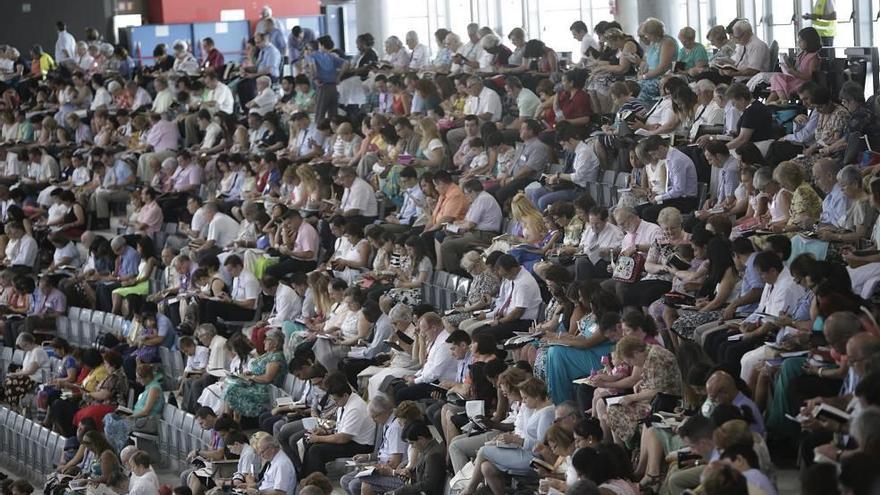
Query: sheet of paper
(309,423)
(475,408)
(162,31)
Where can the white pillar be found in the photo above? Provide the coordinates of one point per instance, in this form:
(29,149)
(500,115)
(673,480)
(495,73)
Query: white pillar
(374,17)
(628,15)
(667,11)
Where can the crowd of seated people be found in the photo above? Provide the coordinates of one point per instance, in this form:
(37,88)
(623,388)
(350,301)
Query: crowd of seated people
(672,289)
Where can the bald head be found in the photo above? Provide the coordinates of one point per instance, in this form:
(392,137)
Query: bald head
(825,174)
(839,328)
(861,347)
(721,388)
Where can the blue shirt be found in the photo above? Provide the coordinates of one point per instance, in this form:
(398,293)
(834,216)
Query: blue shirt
(128,266)
(276,37)
(834,207)
(270,58)
(326,66)
(681,175)
(296,46)
(166,329)
(751,280)
(741,401)
(805,134)
(122,172)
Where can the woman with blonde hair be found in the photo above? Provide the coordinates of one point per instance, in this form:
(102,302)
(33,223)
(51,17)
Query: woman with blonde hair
(432,153)
(307,192)
(805,205)
(659,57)
(530,226)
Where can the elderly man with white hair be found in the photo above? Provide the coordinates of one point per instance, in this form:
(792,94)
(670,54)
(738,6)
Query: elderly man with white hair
(466,59)
(390,455)
(396,54)
(279,478)
(420,56)
(708,112)
(751,56)
(266,99)
(266,13)
(184,61)
(495,54)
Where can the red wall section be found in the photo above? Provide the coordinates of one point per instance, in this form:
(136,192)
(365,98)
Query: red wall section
(186,11)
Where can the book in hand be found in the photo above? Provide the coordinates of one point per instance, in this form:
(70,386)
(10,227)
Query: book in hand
(537,462)
(521,339)
(218,372)
(393,345)
(365,472)
(285,401)
(823,412)
(406,339)
(735,337)
(610,401)
(124,411)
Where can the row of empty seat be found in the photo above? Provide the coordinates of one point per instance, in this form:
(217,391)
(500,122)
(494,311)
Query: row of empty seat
(26,448)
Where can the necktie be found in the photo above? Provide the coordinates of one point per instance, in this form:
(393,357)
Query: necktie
(263,471)
(503,309)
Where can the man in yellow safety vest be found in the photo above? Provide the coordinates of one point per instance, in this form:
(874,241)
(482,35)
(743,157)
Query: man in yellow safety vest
(824,19)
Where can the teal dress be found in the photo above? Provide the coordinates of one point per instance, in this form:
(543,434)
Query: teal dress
(690,58)
(563,364)
(249,398)
(117,428)
(651,87)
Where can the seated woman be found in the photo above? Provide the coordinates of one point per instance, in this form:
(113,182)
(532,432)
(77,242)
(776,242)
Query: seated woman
(105,467)
(483,288)
(432,153)
(605,73)
(514,458)
(831,131)
(411,276)
(68,372)
(145,415)
(860,214)
(140,283)
(659,58)
(240,348)
(76,455)
(571,105)
(111,393)
(352,328)
(658,280)
(143,480)
(24,381)
(805,205)
(566,356)
(784,85)
(607,466)
(347,264)
(660,375)
(528,254)
(248,395)
(538,58)
(665,117)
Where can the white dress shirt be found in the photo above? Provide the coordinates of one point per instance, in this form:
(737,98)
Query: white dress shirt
(439,365)
(728,179)
(65,41)
(285,305)
(488,101)
(586,165)
(753,55)
(410,211)
(218,355)
(163,101)
(24,252)
(591,242)
(646,233)
(392,441)
(223,229)
(221,95)
(782,296)
(360,196)
(420,57)
(265,101)
(352,418)
(280,475)
(485,213)
(525,294)
(199,360)
(711,114)
(681,177)
(245,287)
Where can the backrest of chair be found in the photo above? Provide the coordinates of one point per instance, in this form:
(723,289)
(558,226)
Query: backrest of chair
(18,356)
(6,354)
(608,176)
(73,312)
(622,180)
(98,317)
(85,315)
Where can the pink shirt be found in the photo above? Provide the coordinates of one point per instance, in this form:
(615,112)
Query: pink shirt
(151,216)
(184,178)
(163,136)
(306,240)
(644,235)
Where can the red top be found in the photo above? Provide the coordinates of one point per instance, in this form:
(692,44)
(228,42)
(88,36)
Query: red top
(214,60)
(575,106)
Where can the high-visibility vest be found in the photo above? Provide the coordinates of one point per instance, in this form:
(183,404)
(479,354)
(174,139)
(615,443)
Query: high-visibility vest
(826,28)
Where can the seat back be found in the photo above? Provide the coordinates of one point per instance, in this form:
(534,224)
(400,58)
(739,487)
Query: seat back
(73,312)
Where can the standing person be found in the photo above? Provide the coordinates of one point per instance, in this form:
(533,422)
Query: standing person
(326,67)
(65,46)
(824,18)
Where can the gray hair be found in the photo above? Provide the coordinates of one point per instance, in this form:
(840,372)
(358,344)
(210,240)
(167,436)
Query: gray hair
(742,27)
(380,405)
(270,441)
(704,85)
(265,80)
(400,312)
(454,38)
(394,41)
(474,80)
(763,176)
(180,46)
(25,338)
(276,335)
(205,329)
(118,242)
(849,175)
(625,210)
(490,41)
(412,35)
(470,259)
(866,427)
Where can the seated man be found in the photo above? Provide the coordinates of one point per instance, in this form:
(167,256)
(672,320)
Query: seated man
(353,434)
(439,366)
(681,180)
(520,297)
(481,223)
(241,303)
(527,166)
(593,255)
(279,477)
